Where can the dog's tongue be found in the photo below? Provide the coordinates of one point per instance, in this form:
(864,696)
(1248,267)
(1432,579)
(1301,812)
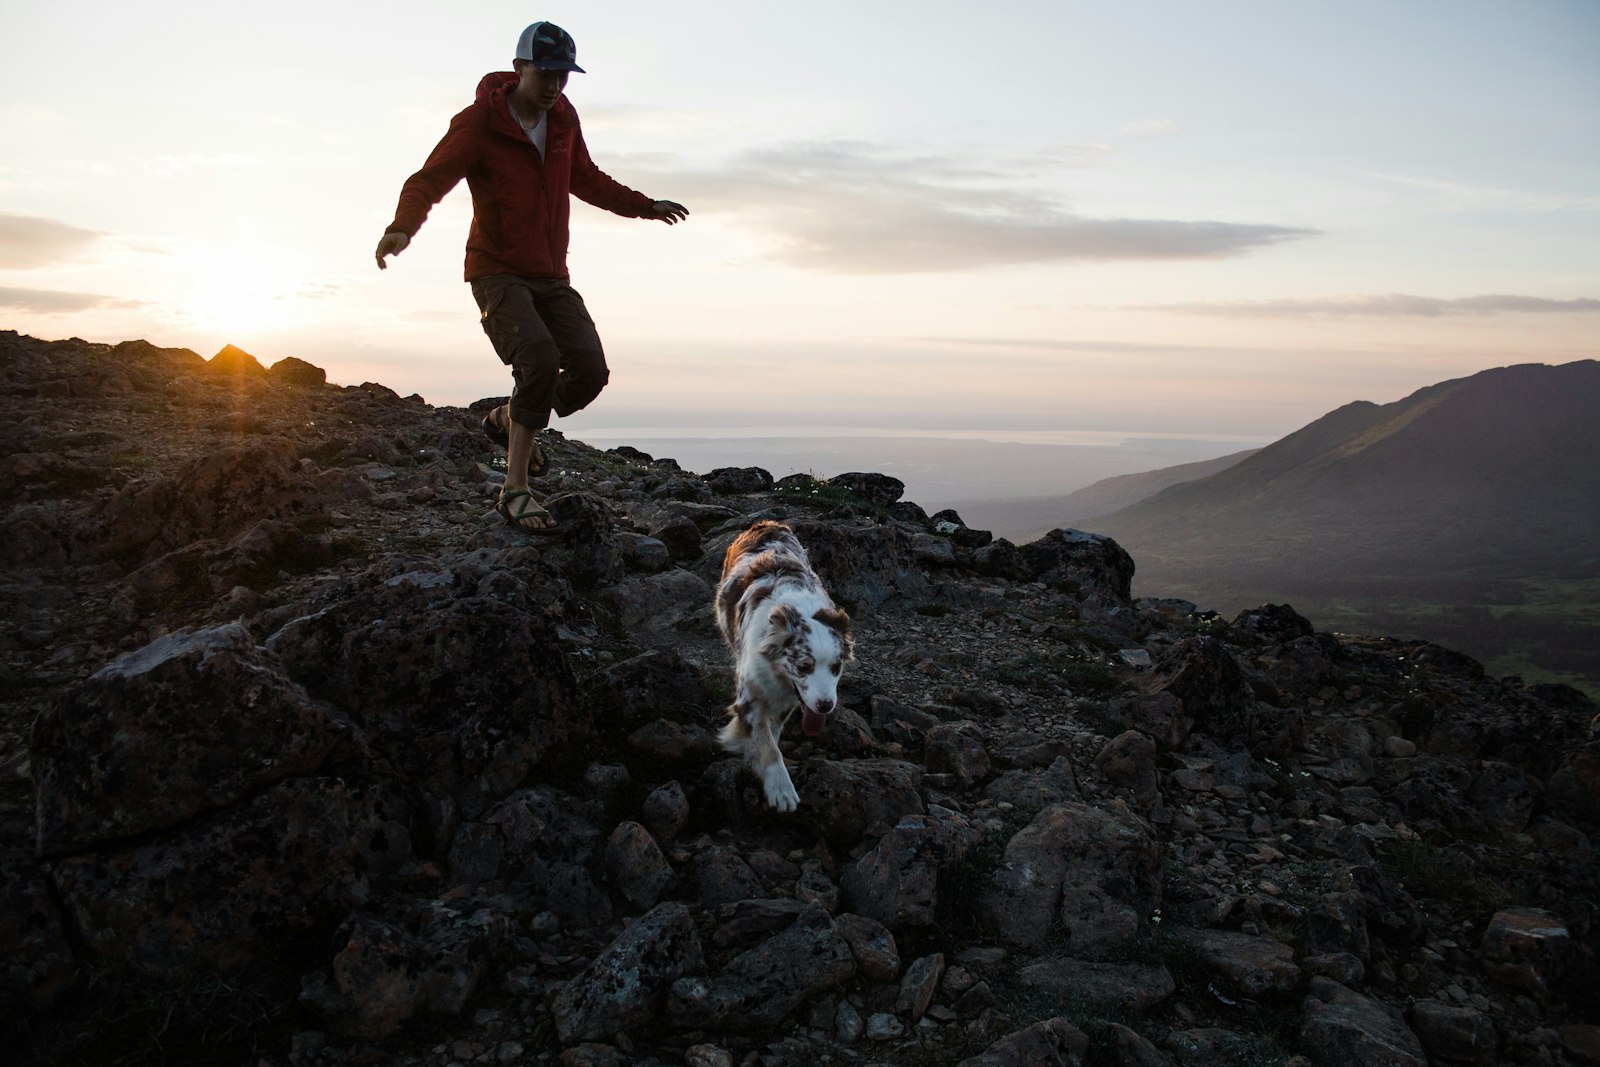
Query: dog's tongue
(811,722)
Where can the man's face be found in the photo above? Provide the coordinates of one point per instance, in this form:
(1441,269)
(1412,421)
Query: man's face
(541,86)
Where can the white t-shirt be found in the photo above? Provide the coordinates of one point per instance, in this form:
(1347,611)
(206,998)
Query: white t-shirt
(537,134)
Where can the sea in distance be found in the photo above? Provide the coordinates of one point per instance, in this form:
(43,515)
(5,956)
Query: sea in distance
(942,468)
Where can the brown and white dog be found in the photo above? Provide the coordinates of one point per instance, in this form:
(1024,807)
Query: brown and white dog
(790,644)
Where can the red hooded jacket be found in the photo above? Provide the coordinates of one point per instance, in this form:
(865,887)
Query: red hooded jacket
(520,207)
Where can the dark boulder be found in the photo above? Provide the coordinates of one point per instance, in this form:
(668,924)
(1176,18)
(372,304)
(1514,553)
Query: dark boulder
(193,722)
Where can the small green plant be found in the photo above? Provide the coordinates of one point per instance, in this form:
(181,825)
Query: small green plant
(1049,673)
(823,495)
(1425,869)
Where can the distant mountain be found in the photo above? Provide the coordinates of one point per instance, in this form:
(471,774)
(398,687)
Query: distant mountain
(1479,492)
(1026,519)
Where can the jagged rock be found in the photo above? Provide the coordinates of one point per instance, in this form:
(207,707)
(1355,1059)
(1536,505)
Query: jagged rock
(863,566)
(1201,673)
(462,693)
(760,987)
(625,986)
(957,748)
(918,985)
(932,552)
(873,946)
(721,876)
(814,886)
(1341,1028)
(666,810)
(1248,965)
(385,974)
(641,872)
(297,371)
(1030,792)
(642,553)
(193,722)
(1159,716)
(896,882)
(707,1056)
(1052,1043)
(1093,567)
(1526,948)
(1581,1041)
(1270,624)
(848,735)
(1460,1035)
(1134,987)
(1505,795)
(627,695)
(1134,1050)
(587,551)
(739,480)
(675,744)
(541,840)
(742,921)
(1001,559)
(1338,924)
(1342,967)
(1091,875)
(214,496)
(1129,761)
(880,489)
(681,536)
(37,964)
(232,360)
(848,800)
(227,889)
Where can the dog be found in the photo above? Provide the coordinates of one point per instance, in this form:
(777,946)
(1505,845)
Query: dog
(790,643)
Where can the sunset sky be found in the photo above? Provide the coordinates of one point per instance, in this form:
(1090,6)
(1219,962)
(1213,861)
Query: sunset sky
(1223,217)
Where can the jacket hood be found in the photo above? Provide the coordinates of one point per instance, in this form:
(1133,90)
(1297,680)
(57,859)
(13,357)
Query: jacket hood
(493,90)
(503,80)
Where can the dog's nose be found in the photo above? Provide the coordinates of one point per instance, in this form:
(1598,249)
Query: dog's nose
(824,706)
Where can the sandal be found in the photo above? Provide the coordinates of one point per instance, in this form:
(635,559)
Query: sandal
(538,459)
(529,508)
(497,434)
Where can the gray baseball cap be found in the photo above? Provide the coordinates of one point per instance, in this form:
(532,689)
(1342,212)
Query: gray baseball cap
(548,47)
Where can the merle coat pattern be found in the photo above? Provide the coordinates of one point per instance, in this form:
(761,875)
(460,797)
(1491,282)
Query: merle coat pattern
(790,643)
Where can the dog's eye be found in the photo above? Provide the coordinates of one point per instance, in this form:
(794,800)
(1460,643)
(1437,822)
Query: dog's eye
(836,669)
(806,668)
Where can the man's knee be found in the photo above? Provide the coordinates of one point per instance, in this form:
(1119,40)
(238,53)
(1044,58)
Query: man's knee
(585,376)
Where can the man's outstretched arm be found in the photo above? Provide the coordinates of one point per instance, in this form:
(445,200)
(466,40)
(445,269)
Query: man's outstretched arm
(394,242)
(668,211)
(446,165)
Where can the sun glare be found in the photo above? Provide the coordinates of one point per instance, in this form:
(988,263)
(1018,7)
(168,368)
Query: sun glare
(234,293)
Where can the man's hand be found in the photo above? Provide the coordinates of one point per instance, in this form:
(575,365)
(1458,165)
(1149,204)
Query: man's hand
(668,211)
(394,242)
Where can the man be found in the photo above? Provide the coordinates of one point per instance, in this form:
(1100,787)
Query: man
(521,150)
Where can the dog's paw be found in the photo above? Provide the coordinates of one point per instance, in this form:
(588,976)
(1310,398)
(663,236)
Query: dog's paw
(780,789)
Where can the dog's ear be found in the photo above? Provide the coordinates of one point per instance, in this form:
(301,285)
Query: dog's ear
(786,624)
(838,621)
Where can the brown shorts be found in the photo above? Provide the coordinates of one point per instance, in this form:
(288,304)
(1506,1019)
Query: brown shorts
(540,328)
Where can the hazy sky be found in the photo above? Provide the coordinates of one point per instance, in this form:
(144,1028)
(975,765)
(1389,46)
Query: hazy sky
(1224,216)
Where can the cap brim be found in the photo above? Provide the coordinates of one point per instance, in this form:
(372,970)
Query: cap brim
(556,64)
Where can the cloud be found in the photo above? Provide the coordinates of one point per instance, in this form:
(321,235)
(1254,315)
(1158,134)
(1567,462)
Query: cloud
(1455,196)
(27,241)
(850,208)
(55,301)
(1384,305)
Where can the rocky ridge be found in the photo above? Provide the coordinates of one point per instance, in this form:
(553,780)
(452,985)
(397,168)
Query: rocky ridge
(305,758)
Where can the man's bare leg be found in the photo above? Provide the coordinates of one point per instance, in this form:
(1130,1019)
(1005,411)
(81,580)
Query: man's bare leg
(518,451)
